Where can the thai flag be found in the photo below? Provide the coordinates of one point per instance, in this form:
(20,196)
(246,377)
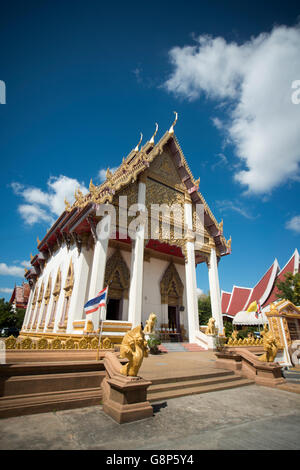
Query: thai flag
(97,302)
(258,311)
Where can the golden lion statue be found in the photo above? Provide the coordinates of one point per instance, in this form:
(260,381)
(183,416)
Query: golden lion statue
(211,328)
(150,323)
(270,347)
(134,348)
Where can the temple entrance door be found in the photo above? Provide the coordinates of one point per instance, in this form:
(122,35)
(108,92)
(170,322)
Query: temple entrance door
(173,323)
(114,309)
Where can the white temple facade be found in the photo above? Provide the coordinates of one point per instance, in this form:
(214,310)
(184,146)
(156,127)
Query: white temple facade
(122,235)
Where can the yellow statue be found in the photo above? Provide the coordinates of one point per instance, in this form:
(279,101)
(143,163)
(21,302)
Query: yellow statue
(270,346)
(150,323)
(232,341)
(134,348)
(211,328)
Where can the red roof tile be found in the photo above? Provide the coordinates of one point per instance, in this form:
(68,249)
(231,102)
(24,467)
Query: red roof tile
(262,289)
(292,266)
(238,299)
(225,299)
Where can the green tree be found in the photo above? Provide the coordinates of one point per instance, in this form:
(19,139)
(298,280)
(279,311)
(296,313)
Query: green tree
(7,315)
(204,308)
(228,327)
(289,288)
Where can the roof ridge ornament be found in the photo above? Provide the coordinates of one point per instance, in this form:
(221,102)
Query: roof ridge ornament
(137,147)
(67,205)
(171,130)
(152,138)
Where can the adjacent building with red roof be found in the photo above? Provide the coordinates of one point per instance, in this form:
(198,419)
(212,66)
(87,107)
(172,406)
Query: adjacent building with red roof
(263,292)
(20,296)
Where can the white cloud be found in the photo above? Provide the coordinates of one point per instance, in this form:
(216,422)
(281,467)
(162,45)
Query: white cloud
(45,206)
(235,206)
(26,264)
(294,224)
(253,83)
(102,173)
(6,290)
(11,270)
(199,292)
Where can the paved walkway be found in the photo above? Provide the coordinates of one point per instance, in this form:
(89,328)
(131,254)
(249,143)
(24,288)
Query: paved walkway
(249,418)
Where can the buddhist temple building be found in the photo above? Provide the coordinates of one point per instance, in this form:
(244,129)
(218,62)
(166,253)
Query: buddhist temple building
(144,262)
(20,295)
(264,292)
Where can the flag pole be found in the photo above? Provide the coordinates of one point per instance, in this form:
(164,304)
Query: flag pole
(100,333)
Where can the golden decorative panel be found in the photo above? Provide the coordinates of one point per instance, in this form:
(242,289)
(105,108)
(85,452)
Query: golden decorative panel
(171,286)
(164,169)
(117,276)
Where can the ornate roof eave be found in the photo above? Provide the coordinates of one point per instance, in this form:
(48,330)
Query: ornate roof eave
(81,215)
(52,230)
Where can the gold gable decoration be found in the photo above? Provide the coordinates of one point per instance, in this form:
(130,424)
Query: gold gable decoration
(128,171)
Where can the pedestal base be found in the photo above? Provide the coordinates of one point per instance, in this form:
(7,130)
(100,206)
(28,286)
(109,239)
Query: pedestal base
(124,398)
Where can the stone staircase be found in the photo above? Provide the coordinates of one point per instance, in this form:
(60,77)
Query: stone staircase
(180,347)
(174,387)
(292,375)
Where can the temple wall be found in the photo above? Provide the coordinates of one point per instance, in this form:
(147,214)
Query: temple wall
(153,272)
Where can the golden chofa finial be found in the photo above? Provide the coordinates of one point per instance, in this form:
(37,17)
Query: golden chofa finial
(152,138)
(31,257)
(221,226)
(137,147)
(228,243)
(108,174)
(67,205)
(38,240)
(171,130)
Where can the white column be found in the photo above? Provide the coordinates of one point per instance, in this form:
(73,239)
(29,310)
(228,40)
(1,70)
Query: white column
(78,298)
(190,278)
(214,288)
(99,264)
(137,266)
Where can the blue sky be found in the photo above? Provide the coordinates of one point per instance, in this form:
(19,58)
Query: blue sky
(83,79)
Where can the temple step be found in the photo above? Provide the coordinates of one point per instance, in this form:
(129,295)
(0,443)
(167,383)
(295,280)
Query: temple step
(20,405)
(180,347)
(193,347)
(182,386)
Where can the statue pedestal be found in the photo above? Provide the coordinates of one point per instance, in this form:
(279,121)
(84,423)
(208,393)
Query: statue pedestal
(211,341)
(124,398)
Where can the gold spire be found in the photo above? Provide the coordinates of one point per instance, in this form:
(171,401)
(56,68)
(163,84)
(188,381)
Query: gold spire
(108,174)
(67,205)
(171,130)
(228,243)
(137,147)
(152,138)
